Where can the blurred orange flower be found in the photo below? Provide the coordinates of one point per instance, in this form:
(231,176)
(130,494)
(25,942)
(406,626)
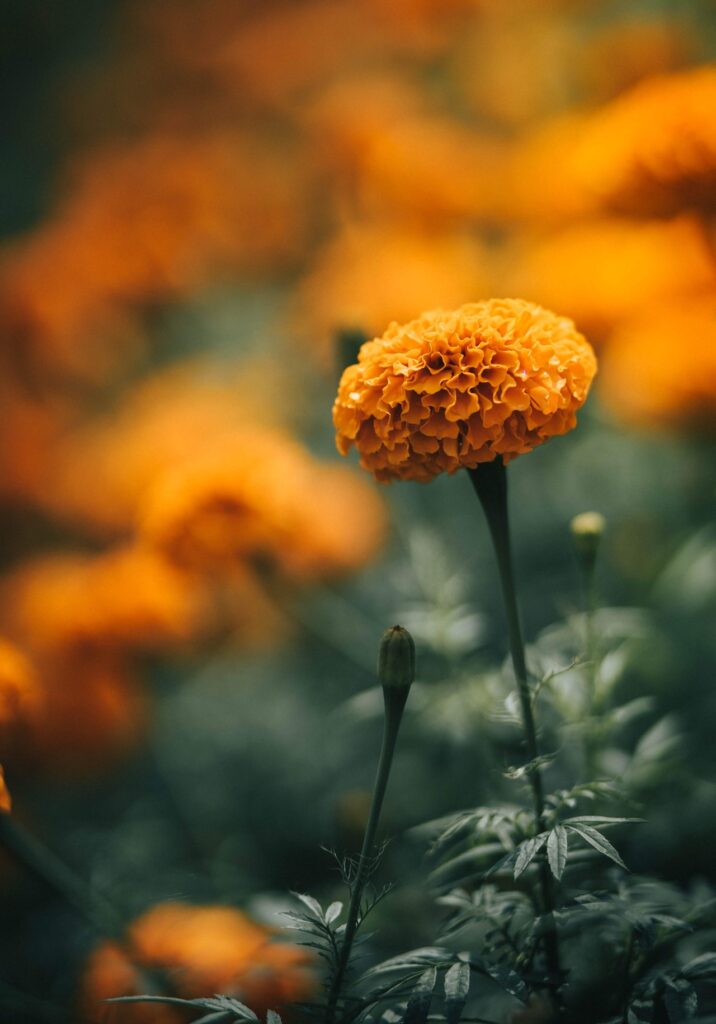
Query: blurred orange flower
(660,368)
(127,600)
(93,712)
(372,273)
(203,951)
(141,223)
(20,698)
(601,271)
(652,151)
(5,798)
(262,497)
(453,389)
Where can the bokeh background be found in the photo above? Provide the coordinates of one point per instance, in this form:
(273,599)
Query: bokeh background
(206,205)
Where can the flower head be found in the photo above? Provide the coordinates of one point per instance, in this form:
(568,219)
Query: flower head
(262,498)
(5,798)
(453,389)
(652,151)
(660,368)
(204,949)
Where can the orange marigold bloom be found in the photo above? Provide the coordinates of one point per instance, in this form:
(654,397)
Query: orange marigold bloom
(652,151)
(128,599)
(262,497)
(93,712)
(19,689)
(603,270)
(453,389)
(204,950)
(370,274)
(660,368)
(5,798)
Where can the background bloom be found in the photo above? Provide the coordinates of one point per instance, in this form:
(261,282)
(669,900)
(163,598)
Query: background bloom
(660,368)
(204,950)
(453,389)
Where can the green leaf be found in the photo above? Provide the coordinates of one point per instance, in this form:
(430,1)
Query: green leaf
(703,966)
(415,959)
(598,841)
(526,852)
(418,1006)
(219,1004)
(311,904)
(680,1000)
(273,1018)
(557,850)
(333,912)
(457,986)
(598,819)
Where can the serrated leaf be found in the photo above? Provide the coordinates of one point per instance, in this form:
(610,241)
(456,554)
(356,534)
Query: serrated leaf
(457,986)
(311,904)
(415,959)
(333,912)
(557,844)
(703,966)
(418,1006)
(219,1004)
(680,1000)
(526,852)
(599,842)
(598,819)
(273,1018)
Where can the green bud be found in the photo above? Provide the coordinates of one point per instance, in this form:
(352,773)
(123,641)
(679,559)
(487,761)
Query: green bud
(587,529)
(396,660)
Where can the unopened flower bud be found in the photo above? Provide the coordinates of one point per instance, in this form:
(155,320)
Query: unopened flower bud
(396,660)
(587,529)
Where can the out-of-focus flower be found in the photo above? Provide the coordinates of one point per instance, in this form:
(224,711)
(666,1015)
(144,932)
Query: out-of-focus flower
(373,273)
(93,712)
(432,168)
(128,600)
(142,223)
(20,695)
(262,497)
(5,798)
(450,390)
(203,950)
(660,368)
(159,422)
(626,50)
(601,271)
(652,151)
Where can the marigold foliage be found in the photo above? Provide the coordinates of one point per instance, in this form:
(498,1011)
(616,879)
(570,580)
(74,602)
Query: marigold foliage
(450,390)
(204,950)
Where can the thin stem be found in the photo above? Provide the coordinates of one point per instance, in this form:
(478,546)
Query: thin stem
(394,704)
(490,483)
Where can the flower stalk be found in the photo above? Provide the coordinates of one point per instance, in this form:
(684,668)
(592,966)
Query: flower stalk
(396,671)
(490,483)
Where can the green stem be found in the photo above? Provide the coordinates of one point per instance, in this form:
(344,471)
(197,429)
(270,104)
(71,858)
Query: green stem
(394,703)
(490,483)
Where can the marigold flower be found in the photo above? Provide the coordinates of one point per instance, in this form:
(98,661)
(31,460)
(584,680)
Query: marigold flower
(127,599)
(93,712)
(602,271)
(5,798)
(450,390)
(262,498)
(652,151)
(660,368)
(370,274)
(19,689)
(204,950)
